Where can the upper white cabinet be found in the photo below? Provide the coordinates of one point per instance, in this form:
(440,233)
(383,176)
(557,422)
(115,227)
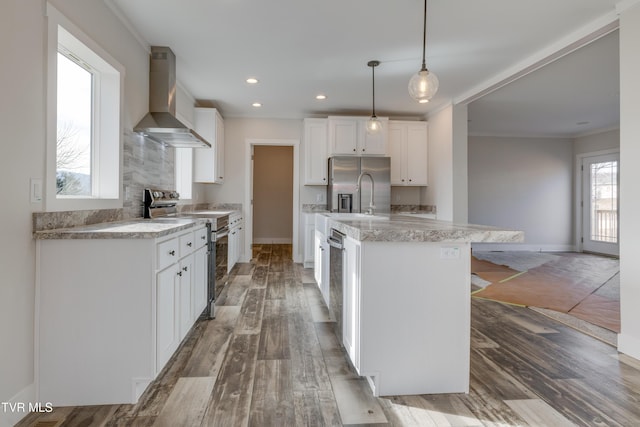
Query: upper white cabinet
(209,162)
(348,136)
(408,148)
(316,152)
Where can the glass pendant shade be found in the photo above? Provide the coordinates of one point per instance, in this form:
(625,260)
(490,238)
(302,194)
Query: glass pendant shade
(423,85)
(374,125)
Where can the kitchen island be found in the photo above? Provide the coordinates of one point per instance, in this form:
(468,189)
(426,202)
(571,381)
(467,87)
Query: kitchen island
(406,299)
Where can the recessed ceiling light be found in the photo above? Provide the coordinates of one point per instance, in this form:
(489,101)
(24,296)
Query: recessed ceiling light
(256,104)
(321,97)
(252,80)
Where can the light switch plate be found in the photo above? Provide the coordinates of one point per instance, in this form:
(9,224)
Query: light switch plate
(35,186)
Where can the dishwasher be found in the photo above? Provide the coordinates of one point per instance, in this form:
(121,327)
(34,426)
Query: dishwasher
(336,261)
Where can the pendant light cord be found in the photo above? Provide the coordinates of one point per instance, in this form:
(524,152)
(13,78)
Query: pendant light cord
(424,38)
(373,84)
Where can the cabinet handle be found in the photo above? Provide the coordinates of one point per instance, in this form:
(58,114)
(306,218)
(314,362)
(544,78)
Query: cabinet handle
(189,244)
(220,177)
(203,237)
(363,150)
(179,273)
(403,180)
(185,268)
(172,253)
(354,149)
(410,180)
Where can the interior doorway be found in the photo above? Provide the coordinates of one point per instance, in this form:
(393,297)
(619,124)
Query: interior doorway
(600,201)
(292,221)
(272,194)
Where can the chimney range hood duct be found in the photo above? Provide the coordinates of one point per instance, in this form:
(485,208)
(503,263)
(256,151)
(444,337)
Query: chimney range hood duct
(160,124)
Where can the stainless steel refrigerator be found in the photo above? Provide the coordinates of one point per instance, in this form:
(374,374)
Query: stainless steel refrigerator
(342,194)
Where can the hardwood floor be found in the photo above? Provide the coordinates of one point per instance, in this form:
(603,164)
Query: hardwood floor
(270,358)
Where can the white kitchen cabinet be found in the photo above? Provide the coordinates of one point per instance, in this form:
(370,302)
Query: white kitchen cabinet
(236,233)
(410,299)
(167,325)
(111,312)
(408,148)
(348,136)
(321,265)
(351,300)
(200,282)
(208,163)
(316,151)
(186,284)
(309,239)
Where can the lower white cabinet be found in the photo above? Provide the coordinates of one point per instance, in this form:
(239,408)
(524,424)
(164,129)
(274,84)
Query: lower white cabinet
(309,240)
(236,238)
(351,300)
(321,265)
(406,315)
(111,312)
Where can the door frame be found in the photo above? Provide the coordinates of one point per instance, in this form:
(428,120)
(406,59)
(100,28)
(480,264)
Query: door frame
(579,191)
(248,222)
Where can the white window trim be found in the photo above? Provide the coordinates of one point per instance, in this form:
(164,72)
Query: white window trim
(110,191)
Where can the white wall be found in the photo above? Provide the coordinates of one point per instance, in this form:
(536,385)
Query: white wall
(524,184)
(629,338)
(22,38)
(608,140)
(440,189)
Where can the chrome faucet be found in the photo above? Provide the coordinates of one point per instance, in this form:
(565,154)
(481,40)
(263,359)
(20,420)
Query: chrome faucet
(371,205)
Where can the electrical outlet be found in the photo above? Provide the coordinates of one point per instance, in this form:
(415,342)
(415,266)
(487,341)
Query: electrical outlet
(319,198)
(449,253)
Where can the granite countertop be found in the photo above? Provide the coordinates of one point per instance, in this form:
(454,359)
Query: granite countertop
(131,229)
(404,228)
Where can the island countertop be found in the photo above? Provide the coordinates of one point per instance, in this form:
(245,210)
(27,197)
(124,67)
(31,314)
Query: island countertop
(405,228)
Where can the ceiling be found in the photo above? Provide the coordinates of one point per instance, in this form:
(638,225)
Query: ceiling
(300,48)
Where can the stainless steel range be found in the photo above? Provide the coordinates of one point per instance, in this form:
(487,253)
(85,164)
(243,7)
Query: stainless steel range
(162,203)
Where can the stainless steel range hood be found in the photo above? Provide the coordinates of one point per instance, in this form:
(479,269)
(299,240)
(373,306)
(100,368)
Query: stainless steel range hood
(161,124)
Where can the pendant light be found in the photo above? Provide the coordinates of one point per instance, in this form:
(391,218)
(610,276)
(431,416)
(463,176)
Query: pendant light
(424,84)
(374,125)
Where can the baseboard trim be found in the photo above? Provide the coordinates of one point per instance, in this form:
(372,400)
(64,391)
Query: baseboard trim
(26,396)
(629,345)
(502,247)
(272,241)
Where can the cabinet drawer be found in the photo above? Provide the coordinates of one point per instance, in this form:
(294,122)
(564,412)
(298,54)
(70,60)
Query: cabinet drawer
(201,237)
(187,244)
(167,253)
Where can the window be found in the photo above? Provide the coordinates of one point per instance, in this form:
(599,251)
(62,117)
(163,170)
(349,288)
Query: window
(84,94)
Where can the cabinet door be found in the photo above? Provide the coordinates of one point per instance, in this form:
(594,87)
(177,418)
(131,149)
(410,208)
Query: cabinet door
(351,300)
(167,335)
(372,144)
(316,152)
(397,151)
(318,259)
(185,311)
(343,136)
(219,172)
(208,163)
(200,267)
(417,152)
(231,249)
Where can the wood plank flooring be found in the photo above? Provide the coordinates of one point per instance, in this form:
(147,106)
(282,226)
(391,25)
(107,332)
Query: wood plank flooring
(270,358)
